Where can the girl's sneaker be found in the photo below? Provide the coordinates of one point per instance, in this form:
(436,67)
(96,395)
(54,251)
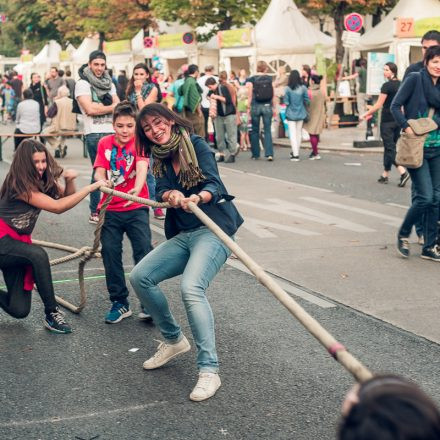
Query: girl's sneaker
(56,323)
(314,156)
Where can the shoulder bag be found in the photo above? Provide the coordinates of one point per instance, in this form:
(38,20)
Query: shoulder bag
(410,146)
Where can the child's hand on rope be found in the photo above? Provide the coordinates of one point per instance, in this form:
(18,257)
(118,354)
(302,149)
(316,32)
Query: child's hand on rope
(134,192)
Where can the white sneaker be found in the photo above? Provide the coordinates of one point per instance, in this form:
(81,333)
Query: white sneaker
(165,352)
(206,387)
(144,316)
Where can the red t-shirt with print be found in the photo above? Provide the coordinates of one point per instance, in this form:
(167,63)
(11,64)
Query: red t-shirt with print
(120,163)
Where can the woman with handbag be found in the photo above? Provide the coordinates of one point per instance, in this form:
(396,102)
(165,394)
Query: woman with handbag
(389,129)
(419,96)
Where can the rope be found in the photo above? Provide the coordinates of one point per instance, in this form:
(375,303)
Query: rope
(335,348)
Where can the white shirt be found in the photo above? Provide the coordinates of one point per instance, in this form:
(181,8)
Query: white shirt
(28,116)
(94,124)
(201,81)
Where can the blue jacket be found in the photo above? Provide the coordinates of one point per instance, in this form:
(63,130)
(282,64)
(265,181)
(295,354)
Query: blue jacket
(220,209)
(412,98)
(296,101)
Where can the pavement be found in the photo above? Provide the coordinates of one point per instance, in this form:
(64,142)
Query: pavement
(332,252)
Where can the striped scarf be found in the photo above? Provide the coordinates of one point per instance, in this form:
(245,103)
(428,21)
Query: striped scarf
(190,174)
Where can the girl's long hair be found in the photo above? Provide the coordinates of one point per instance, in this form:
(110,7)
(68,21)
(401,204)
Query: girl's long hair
(23,177)
(143,144)
(130,85)
(294,80)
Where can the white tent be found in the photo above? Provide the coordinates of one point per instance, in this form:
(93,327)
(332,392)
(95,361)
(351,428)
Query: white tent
(282,33)
(81,54)
(49,55)
(382,37)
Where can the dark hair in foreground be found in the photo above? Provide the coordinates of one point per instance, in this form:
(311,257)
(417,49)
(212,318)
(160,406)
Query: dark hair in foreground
(391,408)
(124,108)
(23,177)
(294,80)
(143,144)
(432,35)
(431,52)
(130,85)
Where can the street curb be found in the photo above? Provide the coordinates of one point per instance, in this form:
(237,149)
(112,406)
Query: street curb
(335,149)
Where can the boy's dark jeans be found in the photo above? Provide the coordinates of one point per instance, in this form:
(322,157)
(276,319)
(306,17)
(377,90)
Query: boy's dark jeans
(135,224)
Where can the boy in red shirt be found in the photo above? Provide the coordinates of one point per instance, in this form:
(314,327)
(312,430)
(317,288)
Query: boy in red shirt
(118,161)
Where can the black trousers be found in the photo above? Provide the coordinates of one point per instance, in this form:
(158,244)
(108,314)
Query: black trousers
(205,111)
(390,133)
(17,140)
(136,225)
(14,257)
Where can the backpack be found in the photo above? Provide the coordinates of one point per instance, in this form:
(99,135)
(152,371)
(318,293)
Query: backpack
(263,90)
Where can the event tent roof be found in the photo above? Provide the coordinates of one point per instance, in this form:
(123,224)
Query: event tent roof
(382,35)
(81,55)
(284,29)
(50,54)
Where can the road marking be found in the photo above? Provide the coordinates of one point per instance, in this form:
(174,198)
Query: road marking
(287,287)
(274,179)
(397,205)
(393,221)
(296,210)
(260,228)
(14,424)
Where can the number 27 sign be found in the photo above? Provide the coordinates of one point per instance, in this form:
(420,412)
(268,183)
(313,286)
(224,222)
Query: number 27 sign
(405,27)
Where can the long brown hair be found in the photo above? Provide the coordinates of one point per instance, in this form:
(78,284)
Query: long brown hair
(143,144)
(130,85)
(23,177)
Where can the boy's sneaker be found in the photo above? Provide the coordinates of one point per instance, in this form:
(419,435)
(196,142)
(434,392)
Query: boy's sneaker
(159,214)
(431,253)
(117,313)
(144,316)
(314,156)
(403,246)
(403,179)
(165,352)
(383,179)
(94,218)
(56,323)
(206,387)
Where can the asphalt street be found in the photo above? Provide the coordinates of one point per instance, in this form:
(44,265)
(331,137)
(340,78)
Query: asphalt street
(278,382)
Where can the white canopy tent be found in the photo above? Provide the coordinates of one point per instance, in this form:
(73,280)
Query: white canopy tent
(283,35)
(81,54)
(382,37)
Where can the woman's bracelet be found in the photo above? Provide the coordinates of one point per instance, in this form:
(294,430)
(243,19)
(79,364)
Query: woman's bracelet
(201,199)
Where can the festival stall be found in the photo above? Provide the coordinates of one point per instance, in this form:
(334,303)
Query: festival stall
(81,54)
(401,30)
(283,36)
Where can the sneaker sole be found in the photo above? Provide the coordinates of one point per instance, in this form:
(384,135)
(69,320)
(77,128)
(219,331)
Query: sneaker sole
(123,316)
(187,348)
(425,257)
(402,255)
(54,330)
(402,184)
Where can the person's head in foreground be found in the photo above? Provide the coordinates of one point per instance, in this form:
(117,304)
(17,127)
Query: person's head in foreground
(388,407)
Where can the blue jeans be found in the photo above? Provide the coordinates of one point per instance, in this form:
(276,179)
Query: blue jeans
(151,181)
(198,255)
(92,140)
(135,224)
(261,111)
(426,200)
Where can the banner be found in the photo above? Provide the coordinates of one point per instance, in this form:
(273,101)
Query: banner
(375,63)
(234,38)
(166,41)
(64,55)
(119,46)
(26,57)
(410,28)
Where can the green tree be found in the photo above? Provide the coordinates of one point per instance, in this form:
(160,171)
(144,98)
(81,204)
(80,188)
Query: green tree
(221,14)
(339,8)
(111,19)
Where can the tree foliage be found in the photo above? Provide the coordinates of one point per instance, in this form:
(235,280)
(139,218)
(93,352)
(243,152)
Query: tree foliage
(221,14)
(339,8)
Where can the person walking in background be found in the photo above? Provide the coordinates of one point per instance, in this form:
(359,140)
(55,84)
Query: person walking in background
(173,90)
(96,95)
(40,95)
(122,84)
(389,129)
(296,98)
(70,83)
(317,114)
(27,120)
(209,73)
(306,73)
(54,83)
(17,86)
(242,106)
(9,107)
(141,91)
(64,120)
(261,106)
(192,98)
(226,120)
(419,93)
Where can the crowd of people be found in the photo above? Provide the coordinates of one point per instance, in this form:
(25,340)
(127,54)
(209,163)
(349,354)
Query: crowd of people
(149,136)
